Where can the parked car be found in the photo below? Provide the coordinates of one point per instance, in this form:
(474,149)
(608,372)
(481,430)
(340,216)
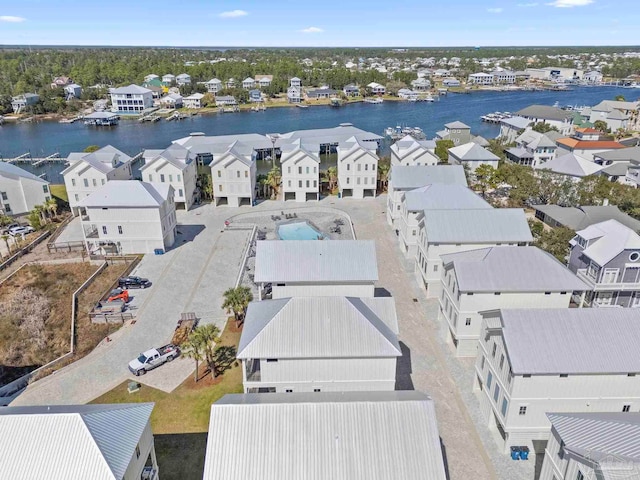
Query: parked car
(134,282)
(4,230)
(21,230)
(153,358)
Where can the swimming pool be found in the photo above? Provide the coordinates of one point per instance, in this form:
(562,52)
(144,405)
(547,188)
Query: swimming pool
(298,231)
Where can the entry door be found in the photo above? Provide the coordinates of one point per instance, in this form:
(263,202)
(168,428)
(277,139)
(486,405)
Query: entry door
(610,275)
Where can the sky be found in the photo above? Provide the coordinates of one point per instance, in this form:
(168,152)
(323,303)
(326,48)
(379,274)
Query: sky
(331,23)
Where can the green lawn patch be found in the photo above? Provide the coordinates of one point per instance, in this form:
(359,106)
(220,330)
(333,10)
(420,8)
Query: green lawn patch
(59,191)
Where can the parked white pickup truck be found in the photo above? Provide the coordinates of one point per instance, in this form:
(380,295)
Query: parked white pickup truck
(153,358)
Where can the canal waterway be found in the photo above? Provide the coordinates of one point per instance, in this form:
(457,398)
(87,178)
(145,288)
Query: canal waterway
(44,138)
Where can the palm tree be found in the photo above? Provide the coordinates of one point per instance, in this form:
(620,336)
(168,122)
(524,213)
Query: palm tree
(273,179)
(383,175)
(332,176)
(52,206)
(193,349)
(201,345)
(236,301)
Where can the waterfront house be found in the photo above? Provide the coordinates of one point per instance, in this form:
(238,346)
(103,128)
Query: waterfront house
(225,100)
(407,94)
(480,78)
(450,231)
(296,268)
(532,149)
(434,196)
(586,143)
(131,100)
(409,151)
(171,100)
(231,83)
(20,191)
(570,166)
(320,93)
(213,86)
(61,82)
(168,79)
(157,88)
(503,77)
(592,77)
(403,179)
(341,436)
(295,82)
(126,217)
(176,166)
(441,72)
(255,96)
(558,74)
(264,81)
(553,116)
(615,113)
(579,218)
(193,101)
(300,166)
(110,442)
(450,82)
(357,168)
(73,90)
(20,103)
(534,361)
(472,155)
(421,84)
(87,172)
(592,445)
(294,94)
(606,256)
(499,277)
(458,132)
(289,345)
(351,90)
(512,127)
(248,83)
(233,172)
(183,79)
(376,88)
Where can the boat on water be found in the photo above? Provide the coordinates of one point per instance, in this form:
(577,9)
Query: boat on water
(400,132)
(299,105)
(373,100)
(101,119)
(176,116)
(428,98)
(336,102)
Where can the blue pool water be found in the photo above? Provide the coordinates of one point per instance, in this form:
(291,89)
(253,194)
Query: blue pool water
(298,231)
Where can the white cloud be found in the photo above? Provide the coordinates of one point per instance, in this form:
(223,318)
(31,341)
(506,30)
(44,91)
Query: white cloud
(534,4)
(570,3)
(494,10)
(312,30)
(234,14)
(11,19)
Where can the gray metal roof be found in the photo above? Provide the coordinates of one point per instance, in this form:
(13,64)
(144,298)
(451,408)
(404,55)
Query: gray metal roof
(578,218)
(316,261)
(599,435)
(616,169)
(511,269)
(72,441)
(177,155)
(325,136)
(439,196)
(545,112)
(131,89)
(631,154)
(516,122)
(570,164)
(11,171)
(128,194)
(607,240)
(320,327)
(477,226)
(320,436)
(572,340)
(456,124)
(472,152)
(535,140)
(411,177)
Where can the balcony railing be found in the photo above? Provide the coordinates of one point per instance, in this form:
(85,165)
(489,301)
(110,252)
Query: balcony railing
(604,286)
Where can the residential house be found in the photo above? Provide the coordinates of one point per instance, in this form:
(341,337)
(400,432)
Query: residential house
(233,172)
(61,82)
(87,172)
(480,78)
(493,278)
(300,166)
(407,94)
(435,196)
(592,77)
(151,76)
(472,155)
(441,72)
(336,435)
(302,268)
(171,100)
(357,168)
(129,217)
(421,84)
(592,445)
(625,156)
(451,231)
(248,83)
(579,218)
(213,86)
(193,101)
(480,140)
(168,79)
(231,83)
(503,77)
(450,82)
(615,113)
(294,94)
(408,151)
(264,81)
(306,356)
(458,132)
(176,166)
(532,148)
(72,90)
(295,82)
(320,93)
(183,79)
(351,90)
(570,166)
(255,96)
(535,361)
(20,191)
(553,116)
(158,89)
(586,143)
(113,442)
(376,88)
(403,179)
(131,100)
(606,255)
(22,102)
(555,73)
(225,100)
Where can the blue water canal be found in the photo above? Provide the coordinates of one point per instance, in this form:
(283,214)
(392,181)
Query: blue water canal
(44,138)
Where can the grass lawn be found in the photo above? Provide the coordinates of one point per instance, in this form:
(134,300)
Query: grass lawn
(180,419)
(59,191)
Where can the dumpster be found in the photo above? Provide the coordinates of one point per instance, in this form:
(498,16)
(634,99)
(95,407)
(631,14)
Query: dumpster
(524,453)
(158,251)
(515,453)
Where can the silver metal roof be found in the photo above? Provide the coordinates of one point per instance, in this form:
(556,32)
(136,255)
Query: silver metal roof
(545,112)
(73,441)
(607,240)
(630,154)
(570,164)
(511,269)
(316,261)
(443,197)
(410,177)
(11,171)
(477,226)
(516,122)
(472,152)
(320,327)
(128,194)
(578,218)
(572,340)
(320,436)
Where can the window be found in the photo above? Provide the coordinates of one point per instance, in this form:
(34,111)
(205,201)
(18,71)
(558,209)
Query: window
(180,194)
(366,166)
(547,293)
(307,183)
(366,180)
(505,405)
(467,321)
(137,451)
(359,167)
(496,393)
(237,173)
(626,408)
(497,293)
(162,177)
(271,360)
(150,178)
(348,180)
(299,183)
(76,195)
(171,178)
(526,375)
(45,189)
(86,182)
(220,187)
(493,350)
(348,166)
(102,181)
(482,362)
(522,410)
(307,170)
(104,229)
(178,177)
(288,391)
(634,256)
(501,360)
(564,375)
(246,174)
(315,184)
(95,184)
(489,379)
(435,268)
(219,173)
(73,183)
(120,229)
(580,476)
(299,170)
(358,180)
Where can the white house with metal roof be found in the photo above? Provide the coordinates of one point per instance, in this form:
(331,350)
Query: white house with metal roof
(233,175)
(511,127)
(300,166)
(408,151)
(320,344)
(183,79)
(499,277)
(175,165)
(534,361)
(248,83)
(20,191)
(571,166)
(403,179)
(449,231)
(416,203)
(592,445)
(87,172)
(553,116)
(472,155)
(357,168)
(341,436)
(459,133)
(101,442)
(131,100)
(321,268)
(214,86)
(129,217)
(532,149)
(193,101)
